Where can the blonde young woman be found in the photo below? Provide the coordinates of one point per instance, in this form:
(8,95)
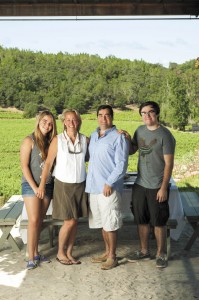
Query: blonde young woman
(33,154)
(69,200)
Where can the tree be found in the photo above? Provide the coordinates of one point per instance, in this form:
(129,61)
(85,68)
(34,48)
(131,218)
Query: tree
(30,110)
(176,107)
(83,81)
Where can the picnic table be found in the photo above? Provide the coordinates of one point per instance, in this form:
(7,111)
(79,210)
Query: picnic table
(10,213)
(190,201)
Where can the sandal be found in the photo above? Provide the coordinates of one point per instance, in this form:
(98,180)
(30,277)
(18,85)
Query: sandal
(110,264)
(64,261)
(99,259)
(75,261)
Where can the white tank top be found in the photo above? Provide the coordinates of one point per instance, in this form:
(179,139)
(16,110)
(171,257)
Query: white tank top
(70,161)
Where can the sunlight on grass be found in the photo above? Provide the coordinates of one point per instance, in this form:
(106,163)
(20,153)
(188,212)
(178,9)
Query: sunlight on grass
(189,184)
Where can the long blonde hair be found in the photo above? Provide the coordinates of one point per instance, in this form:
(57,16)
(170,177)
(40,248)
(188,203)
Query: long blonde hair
(42,141)
(70,110)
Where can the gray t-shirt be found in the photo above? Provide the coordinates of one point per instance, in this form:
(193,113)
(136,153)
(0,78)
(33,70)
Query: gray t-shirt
(152,146)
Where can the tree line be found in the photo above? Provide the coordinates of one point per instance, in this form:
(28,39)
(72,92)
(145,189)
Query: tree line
(32,81)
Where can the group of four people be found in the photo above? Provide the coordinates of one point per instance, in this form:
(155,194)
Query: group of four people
(46,156)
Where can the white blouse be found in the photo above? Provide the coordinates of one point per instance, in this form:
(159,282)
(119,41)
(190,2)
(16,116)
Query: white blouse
(70,161)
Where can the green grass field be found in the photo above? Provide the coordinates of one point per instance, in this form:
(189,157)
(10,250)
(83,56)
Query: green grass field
(12,132)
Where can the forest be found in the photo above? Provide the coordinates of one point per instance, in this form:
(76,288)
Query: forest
(32,81)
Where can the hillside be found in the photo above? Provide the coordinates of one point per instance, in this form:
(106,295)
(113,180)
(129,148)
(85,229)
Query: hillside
(34,81)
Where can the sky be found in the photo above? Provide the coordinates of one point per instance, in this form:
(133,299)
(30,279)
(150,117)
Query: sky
(154,41)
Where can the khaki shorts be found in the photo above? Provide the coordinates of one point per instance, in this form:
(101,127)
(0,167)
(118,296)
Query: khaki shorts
(105,212)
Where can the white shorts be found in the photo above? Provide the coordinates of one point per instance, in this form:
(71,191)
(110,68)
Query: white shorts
(105,212)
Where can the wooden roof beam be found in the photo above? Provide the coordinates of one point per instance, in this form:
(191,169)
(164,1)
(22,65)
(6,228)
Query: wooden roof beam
(19,9)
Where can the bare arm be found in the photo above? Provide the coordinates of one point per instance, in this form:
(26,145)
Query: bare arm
(132,148)
(25,152)
(52,153)
(162,193)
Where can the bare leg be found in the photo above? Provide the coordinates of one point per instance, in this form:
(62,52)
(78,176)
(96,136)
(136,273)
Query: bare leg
(160,234)
(33,210)
(44,207)
(71,241)
(111,261)
(64,237)
(106,242)
(112,243)
(143,231)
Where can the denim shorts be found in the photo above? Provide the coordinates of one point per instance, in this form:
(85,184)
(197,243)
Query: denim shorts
(27,191)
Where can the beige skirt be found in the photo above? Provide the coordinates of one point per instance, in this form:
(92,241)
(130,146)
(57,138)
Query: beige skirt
(69,200)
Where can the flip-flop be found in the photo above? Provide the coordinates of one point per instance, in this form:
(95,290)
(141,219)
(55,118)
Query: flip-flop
(64,261)
(75,262)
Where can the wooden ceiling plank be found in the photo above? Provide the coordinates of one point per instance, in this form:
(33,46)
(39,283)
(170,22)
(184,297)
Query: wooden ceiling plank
(99,9)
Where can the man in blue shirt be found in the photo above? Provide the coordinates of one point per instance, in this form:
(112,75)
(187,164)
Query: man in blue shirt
(107,166)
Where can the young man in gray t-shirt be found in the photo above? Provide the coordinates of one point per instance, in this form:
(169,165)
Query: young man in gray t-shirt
(156,146)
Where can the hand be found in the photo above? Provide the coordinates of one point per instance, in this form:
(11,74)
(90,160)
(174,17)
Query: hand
(40,192)
(107,191)
(127,135)
(161,195)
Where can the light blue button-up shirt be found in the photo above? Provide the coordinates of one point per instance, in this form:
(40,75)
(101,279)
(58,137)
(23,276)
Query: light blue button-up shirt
(108,161)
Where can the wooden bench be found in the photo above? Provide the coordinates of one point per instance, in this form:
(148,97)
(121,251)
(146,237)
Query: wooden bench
(52,225)
(190,203)
(11,212)
(9,215)
(171,224)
